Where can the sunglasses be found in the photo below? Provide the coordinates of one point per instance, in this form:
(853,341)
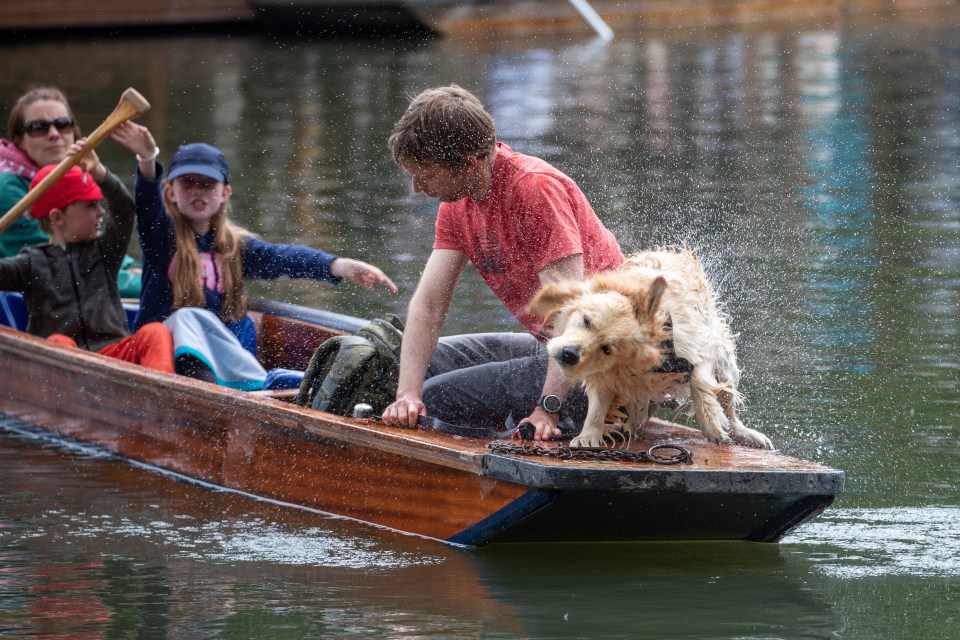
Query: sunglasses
(37,128)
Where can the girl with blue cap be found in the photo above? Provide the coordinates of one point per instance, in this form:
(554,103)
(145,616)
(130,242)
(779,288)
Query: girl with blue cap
(195,260)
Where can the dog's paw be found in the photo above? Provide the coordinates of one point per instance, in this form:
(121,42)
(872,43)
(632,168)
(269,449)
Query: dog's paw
(751,438)
(589,437)
(586,441)
(606,437)
(715,434)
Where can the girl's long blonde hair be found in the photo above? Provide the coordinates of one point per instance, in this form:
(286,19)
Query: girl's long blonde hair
(227,242)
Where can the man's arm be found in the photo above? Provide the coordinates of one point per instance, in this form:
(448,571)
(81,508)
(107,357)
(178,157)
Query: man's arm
(545,424)
(425,317)
(569,268)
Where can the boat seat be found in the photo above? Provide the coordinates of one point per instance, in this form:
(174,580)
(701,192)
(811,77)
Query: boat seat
(13,310)
(13,313)
(278,379)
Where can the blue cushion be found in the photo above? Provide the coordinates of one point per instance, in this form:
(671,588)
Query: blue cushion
(13,310)
(13,313)
(131,308)
(283,379)
(246,332)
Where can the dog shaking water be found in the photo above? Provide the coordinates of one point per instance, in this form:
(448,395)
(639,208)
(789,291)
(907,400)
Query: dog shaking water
(612,331)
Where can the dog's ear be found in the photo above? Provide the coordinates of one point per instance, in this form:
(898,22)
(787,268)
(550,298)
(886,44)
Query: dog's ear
(647,306)
(553,296)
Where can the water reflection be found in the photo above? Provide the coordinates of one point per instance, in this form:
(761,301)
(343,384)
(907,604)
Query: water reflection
(690,590)
(45,599)
(857,543)
(837,158)
(177,560)
(522,96)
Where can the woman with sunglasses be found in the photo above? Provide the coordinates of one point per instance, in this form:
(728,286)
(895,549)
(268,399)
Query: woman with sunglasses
(40,129)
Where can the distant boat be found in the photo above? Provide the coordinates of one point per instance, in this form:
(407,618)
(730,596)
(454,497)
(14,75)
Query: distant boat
(455,489)
(470,18)
(488,18)
(27,15)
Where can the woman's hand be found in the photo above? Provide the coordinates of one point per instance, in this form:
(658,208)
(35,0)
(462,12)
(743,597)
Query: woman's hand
(90,162)
(361,273)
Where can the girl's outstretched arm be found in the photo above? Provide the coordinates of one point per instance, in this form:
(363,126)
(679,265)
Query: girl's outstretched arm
(361,273)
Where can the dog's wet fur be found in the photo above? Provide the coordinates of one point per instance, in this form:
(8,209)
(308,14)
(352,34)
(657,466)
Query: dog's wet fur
(612,331)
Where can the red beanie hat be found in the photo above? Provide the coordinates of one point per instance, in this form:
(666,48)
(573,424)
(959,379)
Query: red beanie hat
(73,186)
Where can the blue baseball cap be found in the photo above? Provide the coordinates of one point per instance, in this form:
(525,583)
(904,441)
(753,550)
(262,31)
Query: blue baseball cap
(199,158)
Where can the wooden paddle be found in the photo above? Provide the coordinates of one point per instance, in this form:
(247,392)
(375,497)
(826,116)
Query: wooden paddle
(131,105)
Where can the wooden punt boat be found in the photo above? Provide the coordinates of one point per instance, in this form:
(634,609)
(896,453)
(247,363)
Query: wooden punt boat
(494,18)
(419,481)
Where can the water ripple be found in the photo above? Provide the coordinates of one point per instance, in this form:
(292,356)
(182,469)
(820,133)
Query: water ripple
(860,543)
(255,540)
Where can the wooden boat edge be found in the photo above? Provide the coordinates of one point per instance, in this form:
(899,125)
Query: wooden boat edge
(457,452)
(663,478)
(538,485)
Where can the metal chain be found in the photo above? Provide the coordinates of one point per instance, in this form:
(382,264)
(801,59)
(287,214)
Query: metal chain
(682,455)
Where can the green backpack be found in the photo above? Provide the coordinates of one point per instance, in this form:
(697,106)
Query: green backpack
(347,370)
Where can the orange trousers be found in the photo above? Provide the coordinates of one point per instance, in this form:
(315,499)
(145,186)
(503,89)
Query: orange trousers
(151,346)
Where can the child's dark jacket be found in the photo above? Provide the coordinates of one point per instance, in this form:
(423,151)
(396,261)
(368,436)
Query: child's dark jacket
(73,290)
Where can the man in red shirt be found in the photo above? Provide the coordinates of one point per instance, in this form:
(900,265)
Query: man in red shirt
(521,223)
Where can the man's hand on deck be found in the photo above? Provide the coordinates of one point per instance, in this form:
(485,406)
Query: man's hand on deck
(545,425)
(405,411)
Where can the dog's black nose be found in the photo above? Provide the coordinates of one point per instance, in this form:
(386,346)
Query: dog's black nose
(569,356)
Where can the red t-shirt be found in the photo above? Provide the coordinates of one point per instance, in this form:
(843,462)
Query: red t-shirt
(532,215)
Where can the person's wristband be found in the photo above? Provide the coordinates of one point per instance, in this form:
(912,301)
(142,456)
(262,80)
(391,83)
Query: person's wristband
(153,156)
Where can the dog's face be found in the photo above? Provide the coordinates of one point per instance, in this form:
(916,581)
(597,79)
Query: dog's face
(604,325)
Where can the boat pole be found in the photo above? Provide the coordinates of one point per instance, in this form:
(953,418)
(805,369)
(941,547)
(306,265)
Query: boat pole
(593,19)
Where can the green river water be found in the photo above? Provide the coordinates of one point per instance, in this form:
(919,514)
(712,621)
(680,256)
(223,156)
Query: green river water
(815,167)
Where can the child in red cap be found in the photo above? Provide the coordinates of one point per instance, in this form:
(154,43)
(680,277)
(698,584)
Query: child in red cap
(70,284)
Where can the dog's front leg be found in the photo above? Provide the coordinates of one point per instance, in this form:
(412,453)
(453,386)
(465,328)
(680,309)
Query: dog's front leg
(592,435)
(707,410)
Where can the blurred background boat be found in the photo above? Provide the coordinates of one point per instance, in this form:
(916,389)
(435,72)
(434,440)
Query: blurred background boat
(426,17)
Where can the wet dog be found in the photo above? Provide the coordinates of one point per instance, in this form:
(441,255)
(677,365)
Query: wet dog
(614,333)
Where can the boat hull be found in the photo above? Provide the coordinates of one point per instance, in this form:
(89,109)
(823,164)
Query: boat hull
(416,481)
